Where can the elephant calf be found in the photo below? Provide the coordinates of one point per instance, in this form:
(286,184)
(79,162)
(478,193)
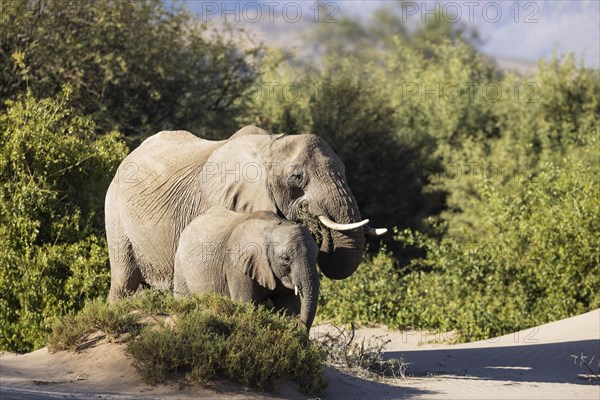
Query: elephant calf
(249,257)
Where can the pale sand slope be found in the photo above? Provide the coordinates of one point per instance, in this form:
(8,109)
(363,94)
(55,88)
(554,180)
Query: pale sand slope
(532,364)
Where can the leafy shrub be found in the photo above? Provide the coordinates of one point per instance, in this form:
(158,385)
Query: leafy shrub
(546,117)
(72,330)
(373,294)
(53,176)
(135,66)
(210,337)
(537,263)
(388,170)
(557,110)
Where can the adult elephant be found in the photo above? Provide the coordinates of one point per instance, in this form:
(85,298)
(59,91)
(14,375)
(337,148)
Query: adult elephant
(250,257)
(174,176)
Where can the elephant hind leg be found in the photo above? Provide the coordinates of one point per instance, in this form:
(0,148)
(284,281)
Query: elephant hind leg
(180,287)
(125,276)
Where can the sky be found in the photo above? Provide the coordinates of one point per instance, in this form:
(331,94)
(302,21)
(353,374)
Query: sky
(523,30)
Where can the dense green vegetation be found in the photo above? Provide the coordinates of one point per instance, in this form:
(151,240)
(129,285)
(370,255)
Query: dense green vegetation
(535,261)
(208,337)
(491,179)
(135,66)
(53,175)
(71,75)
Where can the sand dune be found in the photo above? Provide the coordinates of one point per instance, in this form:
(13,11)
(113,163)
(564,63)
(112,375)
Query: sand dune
(531,364)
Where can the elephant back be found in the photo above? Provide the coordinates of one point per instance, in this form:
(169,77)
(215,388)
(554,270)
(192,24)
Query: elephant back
(249,130)
(154,196)
(215,224)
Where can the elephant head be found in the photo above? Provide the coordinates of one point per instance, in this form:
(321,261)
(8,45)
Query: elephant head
(270,250)
(255,171)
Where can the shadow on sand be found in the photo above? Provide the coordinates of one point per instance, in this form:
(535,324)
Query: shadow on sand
(343,386)
(551,362)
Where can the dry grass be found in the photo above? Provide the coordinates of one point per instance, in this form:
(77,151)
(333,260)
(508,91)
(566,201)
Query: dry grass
(363,357)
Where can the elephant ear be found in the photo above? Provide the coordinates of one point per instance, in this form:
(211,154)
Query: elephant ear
(251,259)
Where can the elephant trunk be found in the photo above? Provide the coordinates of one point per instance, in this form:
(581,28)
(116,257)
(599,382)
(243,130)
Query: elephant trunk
(308,284)
(344,254)
(341,251)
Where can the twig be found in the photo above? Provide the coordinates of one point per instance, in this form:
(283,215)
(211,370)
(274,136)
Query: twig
(582,362)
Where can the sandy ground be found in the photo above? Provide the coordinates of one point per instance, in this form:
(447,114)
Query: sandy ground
(531,364)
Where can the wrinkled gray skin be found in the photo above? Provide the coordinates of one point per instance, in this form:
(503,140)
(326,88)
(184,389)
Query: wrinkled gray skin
(174,176)
(249,257)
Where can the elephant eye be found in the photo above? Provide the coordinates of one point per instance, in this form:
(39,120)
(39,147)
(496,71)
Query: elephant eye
(295,179)
(286,258)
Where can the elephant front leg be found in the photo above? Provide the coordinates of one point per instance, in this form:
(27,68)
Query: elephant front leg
(243,288)
(288,302)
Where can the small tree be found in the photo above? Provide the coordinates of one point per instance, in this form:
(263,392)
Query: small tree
(53,176)
(135,66)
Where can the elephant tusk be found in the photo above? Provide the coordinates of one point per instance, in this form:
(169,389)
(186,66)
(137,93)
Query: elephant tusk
(296,290)
(341,227)
(375,231)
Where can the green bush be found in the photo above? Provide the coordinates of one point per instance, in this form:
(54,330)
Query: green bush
(53,176)
(71,330)
(388,170)
(373,294)
(541,118)
(512,175)
(538,263)
(210,337)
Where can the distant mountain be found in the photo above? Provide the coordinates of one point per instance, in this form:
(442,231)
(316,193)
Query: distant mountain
(516,65)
